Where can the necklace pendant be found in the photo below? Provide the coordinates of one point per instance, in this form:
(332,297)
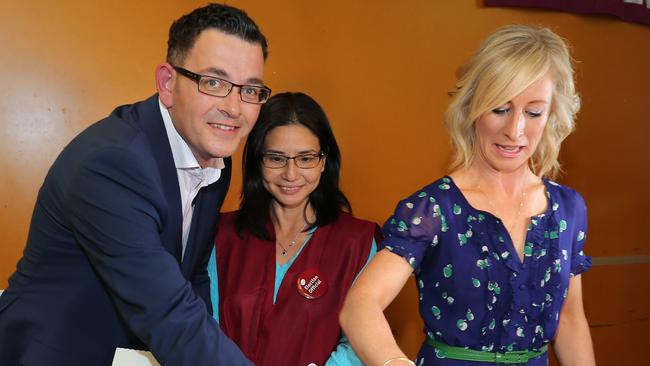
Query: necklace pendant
(284,252)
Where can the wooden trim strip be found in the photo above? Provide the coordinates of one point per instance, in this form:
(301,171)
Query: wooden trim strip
(616,260)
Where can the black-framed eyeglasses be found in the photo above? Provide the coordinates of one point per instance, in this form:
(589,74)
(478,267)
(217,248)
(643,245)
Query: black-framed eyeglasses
(218,87)
(303,161)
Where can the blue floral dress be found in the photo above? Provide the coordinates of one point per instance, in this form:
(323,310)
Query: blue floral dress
(474,290)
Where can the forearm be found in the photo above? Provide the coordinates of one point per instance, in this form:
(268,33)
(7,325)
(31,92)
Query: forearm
(369,332)
(362,317)
(573,344)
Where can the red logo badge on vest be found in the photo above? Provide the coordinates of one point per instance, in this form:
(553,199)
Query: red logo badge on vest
(311,284)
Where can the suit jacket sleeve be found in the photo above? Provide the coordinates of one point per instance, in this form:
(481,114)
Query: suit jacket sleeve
(117,212)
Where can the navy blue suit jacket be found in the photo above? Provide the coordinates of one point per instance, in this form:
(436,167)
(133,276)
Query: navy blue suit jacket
(102,269)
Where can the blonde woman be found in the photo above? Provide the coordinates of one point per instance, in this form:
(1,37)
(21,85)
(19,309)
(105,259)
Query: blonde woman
(496,246)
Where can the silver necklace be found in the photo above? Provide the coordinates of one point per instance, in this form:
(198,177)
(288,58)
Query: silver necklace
(285,250)
(521,203)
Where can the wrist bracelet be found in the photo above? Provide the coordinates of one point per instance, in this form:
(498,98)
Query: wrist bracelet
(399,359)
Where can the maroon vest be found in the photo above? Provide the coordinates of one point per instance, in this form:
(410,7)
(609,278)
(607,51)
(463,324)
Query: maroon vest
(295,330)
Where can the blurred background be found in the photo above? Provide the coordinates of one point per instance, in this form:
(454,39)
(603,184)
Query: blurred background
(381,70)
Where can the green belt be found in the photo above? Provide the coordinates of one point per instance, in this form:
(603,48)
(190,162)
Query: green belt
(460,353)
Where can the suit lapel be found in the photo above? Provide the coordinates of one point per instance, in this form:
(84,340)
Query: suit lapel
(204,220)
(208,201)
(154,128)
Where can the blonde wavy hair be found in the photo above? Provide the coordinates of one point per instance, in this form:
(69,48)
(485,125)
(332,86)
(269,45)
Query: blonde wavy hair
(508,61)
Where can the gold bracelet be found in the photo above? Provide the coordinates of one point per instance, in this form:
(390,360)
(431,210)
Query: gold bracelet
(399,359)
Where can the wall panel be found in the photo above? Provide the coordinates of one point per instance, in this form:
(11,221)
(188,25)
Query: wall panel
(381,70)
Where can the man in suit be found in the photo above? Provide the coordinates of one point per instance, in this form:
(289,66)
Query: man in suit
(125,220)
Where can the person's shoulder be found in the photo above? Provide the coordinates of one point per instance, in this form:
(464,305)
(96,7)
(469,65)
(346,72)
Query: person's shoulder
(432,192)
(228,217)
(227,226)
(562,191)
(564,196)
(121,128)
(351,227)
(347,218)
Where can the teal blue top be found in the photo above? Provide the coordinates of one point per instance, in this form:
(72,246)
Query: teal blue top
(343,355)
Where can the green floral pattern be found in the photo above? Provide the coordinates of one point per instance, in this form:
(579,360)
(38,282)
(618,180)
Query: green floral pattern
(474,290)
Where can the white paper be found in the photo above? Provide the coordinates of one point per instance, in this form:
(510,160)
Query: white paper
(132,357)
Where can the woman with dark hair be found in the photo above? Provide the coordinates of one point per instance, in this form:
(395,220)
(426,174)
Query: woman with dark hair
(286,259)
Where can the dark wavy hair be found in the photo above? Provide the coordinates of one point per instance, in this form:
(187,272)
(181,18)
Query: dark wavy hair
(327,200)
(227,19)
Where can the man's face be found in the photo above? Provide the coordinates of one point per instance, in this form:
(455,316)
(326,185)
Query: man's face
(214,126)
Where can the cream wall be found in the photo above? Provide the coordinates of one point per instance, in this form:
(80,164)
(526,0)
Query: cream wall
(382,71)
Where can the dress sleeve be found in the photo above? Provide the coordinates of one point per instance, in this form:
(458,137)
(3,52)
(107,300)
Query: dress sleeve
(579,261)
(413,227)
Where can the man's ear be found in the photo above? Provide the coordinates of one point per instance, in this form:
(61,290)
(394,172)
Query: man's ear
(164,83)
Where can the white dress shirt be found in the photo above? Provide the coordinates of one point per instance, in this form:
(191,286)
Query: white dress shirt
(191,177)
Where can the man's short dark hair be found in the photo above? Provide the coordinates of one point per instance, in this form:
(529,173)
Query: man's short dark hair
(227,19)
